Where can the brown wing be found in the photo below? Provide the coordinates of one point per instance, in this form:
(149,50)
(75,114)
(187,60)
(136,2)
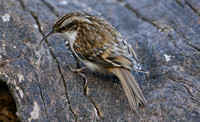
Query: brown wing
(104,46)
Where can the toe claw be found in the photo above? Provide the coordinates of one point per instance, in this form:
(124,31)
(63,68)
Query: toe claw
(79,72)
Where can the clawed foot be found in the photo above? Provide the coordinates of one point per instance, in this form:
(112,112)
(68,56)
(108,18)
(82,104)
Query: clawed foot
(83,75)
(79,71)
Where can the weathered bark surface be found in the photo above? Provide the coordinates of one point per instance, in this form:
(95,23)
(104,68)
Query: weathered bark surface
(165,35)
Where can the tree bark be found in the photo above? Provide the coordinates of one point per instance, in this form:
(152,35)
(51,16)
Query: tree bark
(164,34)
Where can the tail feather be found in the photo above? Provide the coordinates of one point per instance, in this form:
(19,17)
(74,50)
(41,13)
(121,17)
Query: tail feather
(131,88)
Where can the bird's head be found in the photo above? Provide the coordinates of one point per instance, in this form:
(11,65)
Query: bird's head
(68,23)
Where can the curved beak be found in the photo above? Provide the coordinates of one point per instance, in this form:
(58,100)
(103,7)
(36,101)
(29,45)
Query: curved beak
(47,35)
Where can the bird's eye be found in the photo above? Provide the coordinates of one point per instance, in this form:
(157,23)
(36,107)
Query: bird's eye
(63,28)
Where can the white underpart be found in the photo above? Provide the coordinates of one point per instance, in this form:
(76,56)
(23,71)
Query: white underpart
(91,66)
(70,37)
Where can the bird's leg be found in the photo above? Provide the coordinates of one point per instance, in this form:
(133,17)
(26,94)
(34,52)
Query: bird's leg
(83,75)
(79,71)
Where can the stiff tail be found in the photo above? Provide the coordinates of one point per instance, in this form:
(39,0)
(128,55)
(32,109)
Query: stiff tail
(131,88)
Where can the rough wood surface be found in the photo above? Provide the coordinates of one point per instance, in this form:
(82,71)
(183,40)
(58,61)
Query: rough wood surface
(164,33)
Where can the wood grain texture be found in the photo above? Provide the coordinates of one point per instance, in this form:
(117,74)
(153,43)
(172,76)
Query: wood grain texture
(164,34)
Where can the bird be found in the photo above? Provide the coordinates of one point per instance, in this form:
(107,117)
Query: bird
(102,49)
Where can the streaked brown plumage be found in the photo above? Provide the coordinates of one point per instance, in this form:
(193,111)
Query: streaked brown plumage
(102,49)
